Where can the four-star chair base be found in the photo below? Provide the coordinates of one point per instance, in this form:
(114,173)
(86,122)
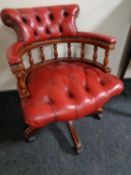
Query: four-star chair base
(30,133)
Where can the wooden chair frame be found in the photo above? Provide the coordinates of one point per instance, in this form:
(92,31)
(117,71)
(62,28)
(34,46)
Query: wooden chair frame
(21,72)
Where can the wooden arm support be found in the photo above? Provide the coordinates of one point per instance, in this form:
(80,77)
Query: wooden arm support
(19,72)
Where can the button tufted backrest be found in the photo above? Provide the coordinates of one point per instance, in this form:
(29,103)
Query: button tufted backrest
(40,23)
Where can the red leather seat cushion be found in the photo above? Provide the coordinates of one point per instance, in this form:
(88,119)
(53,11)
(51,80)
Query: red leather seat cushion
(66,91)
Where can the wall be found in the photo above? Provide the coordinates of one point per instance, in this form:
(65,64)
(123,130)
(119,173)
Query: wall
(110,17)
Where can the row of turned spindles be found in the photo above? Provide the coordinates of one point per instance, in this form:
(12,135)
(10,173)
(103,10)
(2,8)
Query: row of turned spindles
(69,53)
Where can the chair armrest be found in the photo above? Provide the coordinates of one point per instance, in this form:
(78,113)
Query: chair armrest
(14,53)
(99,37)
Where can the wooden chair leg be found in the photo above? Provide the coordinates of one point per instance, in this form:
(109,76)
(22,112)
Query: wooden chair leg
(99,113)
(78,146)
(29,134)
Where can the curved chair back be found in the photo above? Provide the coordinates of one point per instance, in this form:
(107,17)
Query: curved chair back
(40,23)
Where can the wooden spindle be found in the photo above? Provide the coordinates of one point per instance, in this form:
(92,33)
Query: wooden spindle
(30,58)
(55,51)
(82,51)
(106,59)
(42,55)
(95,54)
(69,51)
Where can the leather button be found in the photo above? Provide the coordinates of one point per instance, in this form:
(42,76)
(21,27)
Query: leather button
(70,94)
(38,19)
(65,14)
(102,82)
(51,16)
(24,20)
(60,29)
(47,31)
(35,33)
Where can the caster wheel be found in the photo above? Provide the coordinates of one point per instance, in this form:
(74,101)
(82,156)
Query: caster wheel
(99,113)
(78,150)
(31,139)
(99,116)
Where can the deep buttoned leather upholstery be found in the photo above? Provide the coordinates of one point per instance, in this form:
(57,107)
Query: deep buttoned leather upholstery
(59,90)
(35,24)
(67,91)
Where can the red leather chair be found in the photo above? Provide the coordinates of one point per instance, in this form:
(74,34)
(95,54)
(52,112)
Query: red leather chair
(60,89)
